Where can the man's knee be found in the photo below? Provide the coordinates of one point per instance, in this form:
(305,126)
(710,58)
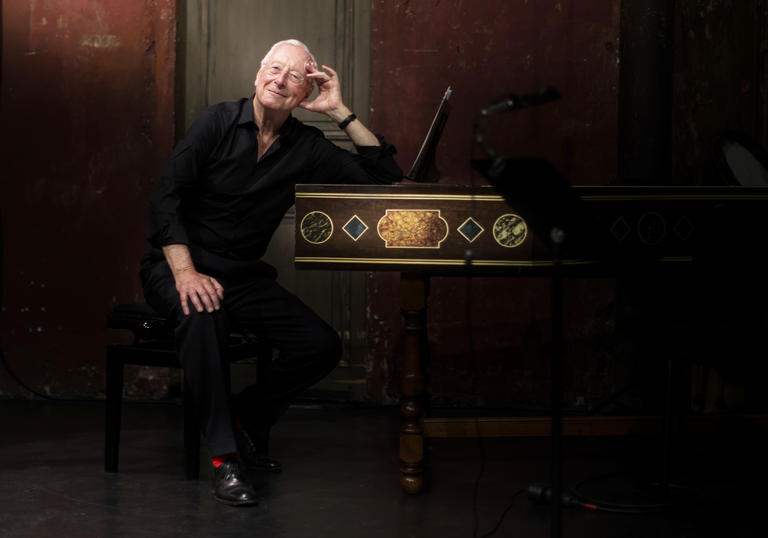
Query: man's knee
(195,318)
(202,326)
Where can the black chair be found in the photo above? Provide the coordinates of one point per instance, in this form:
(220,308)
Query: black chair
(153,346)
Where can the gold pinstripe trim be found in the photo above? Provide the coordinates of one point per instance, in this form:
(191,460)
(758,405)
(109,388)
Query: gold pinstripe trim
(397,196)
(450,262)
(446,262)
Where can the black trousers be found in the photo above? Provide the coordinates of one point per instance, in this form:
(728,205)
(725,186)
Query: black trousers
(308,347)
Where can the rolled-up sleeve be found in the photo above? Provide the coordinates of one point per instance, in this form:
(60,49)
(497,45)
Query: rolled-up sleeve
(379,162)
(371,164)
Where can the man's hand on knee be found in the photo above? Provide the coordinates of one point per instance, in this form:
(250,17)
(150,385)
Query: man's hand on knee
(203,291)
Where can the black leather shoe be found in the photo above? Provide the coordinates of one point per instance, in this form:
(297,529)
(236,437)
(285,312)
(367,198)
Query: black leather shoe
(230,486)
(253,452)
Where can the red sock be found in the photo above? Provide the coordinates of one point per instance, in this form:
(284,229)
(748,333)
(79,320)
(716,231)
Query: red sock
(218,460)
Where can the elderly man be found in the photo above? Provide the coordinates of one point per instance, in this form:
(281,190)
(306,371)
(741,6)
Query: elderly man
(219,199)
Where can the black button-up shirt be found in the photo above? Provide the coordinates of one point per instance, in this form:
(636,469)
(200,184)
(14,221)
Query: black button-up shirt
(216,195)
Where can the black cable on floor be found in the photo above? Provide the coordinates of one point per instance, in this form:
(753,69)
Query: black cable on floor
(16,378)
(503,515)
(39,394)
(578,499)
(542,494)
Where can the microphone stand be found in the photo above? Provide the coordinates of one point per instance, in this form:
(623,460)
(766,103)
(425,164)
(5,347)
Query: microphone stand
(557,238)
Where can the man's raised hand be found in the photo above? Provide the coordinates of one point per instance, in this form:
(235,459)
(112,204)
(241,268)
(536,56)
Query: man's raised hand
(328,99)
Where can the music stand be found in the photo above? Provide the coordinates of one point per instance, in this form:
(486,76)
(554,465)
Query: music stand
(562,220)
(424,169)
(556,215)
(550,209)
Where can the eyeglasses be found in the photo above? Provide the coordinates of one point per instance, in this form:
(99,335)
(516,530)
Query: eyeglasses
(294,77)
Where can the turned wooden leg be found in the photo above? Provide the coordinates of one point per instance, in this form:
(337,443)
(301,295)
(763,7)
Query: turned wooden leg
(413,291)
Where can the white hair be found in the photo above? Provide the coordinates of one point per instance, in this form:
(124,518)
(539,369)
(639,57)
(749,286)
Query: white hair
(295,43)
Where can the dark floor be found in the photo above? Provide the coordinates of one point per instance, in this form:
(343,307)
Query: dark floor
(340,479)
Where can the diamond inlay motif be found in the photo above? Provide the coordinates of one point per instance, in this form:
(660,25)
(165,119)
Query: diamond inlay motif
(470,229)
(683,228)
(620,229)
(355,228)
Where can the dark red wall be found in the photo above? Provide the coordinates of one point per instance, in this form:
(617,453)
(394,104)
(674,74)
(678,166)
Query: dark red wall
(486,51)
(86,104)
(87,110)
(87,121)
(644,109)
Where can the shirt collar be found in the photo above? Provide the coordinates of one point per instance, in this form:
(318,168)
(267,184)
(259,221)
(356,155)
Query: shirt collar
(246,117)
(246,112)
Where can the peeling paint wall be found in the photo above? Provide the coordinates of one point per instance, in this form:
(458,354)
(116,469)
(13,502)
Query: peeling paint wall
(87,122)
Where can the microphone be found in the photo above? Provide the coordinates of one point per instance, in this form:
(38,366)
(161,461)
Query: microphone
(513,101)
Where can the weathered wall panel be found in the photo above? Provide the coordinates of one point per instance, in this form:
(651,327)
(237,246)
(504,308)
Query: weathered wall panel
(87,121)
(486,51)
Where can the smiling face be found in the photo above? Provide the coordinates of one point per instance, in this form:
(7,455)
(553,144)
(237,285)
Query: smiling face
(281,82)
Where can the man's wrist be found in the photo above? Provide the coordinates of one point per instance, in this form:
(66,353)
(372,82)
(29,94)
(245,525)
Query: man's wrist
(179,259)
(346,121)
(340,114)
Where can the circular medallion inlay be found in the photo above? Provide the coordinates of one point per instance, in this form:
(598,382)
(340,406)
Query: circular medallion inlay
(510,230)
(651,228)
(316,227)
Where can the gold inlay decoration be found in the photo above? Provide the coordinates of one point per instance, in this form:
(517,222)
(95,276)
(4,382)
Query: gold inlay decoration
(510,230)
(355,227)
(470,229)
(316,227)
(412,228)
